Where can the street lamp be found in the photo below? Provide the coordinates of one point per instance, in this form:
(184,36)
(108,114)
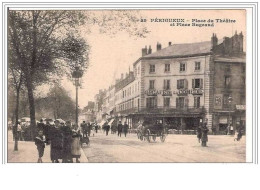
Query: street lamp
(76,75)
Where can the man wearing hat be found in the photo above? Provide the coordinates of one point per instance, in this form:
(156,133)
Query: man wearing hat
(56,138)
(67,135)
(119,129)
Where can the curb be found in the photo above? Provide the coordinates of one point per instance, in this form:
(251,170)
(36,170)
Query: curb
(83,158)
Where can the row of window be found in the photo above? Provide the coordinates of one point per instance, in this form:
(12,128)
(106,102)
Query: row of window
(129,91)
(181,102)
(127,105)
(181,84)
(182,67)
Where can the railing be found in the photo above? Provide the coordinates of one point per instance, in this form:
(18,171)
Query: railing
(164,109)
(173,109)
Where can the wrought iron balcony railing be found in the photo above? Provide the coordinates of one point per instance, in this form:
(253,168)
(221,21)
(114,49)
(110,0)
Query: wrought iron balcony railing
(163,109)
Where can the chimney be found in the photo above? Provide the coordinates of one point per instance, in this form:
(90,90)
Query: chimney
(214,41)
(144,51)
(149,50)
(122,76)
(170,43)
(159,46)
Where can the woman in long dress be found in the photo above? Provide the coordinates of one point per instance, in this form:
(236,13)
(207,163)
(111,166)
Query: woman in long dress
(75,144)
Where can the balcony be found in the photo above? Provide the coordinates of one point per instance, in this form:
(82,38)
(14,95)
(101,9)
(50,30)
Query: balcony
(164,110)
(173,109)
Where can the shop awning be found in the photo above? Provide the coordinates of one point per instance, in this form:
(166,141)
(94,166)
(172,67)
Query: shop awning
(102,123)
(111,121)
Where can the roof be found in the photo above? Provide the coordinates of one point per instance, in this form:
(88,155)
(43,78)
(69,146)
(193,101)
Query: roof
(186,49)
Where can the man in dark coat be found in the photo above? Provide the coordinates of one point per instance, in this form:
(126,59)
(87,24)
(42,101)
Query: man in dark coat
(41,126)
(199,133)
(67,135)
(125,128)
(204,135)
(119,129)
(56,138)
(106,127)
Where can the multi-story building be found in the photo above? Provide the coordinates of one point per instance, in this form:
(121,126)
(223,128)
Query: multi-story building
(229,84)
(175,84)
(182,84)
(126,97)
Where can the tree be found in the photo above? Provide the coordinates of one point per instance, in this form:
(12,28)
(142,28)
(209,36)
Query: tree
(39,40)
(35,42)
(16,79)
(60,103)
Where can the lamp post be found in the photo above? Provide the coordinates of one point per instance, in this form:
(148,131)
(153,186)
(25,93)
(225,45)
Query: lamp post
(76,75)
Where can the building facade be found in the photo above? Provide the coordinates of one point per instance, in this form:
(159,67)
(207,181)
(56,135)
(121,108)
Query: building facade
(183,84)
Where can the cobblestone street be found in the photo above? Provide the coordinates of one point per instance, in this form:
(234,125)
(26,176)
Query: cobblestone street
(176,148)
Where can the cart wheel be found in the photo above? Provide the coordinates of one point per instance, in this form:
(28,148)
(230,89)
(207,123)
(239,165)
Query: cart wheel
(163,137)
(148,137)
(154,138)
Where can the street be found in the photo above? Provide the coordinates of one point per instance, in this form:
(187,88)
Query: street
(176,148)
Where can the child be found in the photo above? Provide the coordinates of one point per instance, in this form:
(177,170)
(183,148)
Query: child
(40,143)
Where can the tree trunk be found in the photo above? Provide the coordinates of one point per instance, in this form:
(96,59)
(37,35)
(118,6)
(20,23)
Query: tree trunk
(16,120)
(31,105)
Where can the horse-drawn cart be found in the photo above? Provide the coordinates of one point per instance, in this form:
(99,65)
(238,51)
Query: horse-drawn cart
(151,132)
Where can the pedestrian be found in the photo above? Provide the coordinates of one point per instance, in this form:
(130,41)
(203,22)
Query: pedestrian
(19,131)
(89,129)
(56,138)
(106,127)
(96,127)
(67,138)
(204,135)
(231,129)
(125,128)
(238,133)
(75,145)
(199,133)
(40,144)
(84,128)
(46,132)
(40,125)
(119,129)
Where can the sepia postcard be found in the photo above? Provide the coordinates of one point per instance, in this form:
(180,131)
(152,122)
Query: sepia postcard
(127,86)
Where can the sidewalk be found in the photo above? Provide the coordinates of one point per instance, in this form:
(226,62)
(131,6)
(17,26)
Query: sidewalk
(27,153)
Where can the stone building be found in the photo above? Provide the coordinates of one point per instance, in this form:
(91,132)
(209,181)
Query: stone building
(229,83)
(184,84)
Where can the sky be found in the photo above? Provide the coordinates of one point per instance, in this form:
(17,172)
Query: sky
(111,56)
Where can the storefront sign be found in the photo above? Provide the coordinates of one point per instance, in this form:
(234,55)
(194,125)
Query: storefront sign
(223,120)
(218,101)
(167,93)
(152,92)
(241,107)
(182,92)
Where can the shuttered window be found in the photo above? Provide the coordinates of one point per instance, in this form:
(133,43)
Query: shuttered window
(166,84)
(197,83)
(166,102)
(151,102)
(196,102)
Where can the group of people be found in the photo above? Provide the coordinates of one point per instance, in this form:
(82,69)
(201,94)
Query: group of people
(202,133)
(120,128)
(63,138)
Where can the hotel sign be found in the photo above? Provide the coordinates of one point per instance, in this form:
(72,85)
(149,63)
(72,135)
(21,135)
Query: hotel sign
(241,107)
(181,92)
